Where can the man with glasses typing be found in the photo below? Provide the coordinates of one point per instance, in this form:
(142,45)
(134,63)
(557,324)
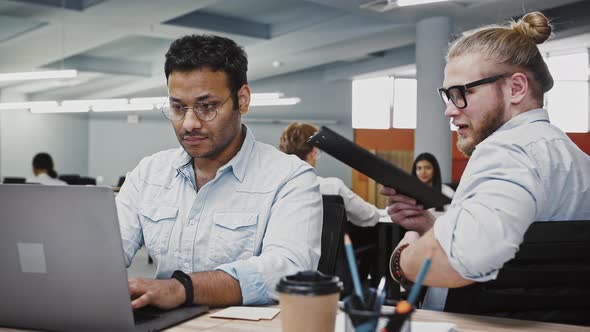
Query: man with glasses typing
(221,228)
(521,168)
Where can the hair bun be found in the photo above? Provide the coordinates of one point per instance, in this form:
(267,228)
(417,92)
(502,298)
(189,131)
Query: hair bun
(535,26)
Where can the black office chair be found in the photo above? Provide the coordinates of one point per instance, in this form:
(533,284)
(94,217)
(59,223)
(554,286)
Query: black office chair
(14,180)
(333,258)
(332,235)
(366,250)
(69,178)
(548,280)
(121,181)
(85,181)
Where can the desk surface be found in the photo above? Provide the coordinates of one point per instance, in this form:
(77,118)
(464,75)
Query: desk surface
(465,323)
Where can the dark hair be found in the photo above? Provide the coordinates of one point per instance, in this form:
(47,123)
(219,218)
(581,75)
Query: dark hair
(294,139)
(212,52)
(436,177)
(43,161)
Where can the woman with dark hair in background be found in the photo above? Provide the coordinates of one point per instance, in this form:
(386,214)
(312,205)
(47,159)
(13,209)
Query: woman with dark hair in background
(44,172)
(426,169)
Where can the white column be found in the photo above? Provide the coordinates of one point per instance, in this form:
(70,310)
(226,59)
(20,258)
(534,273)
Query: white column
(432,128)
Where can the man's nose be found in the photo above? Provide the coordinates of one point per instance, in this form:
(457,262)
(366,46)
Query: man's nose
(191,121)
(451,110)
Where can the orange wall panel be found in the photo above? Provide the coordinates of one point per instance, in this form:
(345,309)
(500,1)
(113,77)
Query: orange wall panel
(385,139)
(582,140)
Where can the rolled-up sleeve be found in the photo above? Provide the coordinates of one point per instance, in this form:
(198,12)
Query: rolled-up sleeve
(291,243)
(484,227)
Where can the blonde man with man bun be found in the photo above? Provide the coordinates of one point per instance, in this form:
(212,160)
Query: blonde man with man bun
(521,168)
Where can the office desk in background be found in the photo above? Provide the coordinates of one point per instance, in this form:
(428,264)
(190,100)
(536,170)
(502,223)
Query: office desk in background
(464,323)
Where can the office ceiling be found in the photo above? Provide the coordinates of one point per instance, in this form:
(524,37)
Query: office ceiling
(118,46)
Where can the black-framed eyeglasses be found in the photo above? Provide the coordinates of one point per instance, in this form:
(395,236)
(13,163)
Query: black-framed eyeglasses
(205,111)
(456,93)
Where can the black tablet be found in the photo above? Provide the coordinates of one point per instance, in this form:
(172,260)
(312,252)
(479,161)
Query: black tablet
(377,168)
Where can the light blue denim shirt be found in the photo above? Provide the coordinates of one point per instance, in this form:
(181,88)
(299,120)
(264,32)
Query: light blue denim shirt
(259,219)
(526,171)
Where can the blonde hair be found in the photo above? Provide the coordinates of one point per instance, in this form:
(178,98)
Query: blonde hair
(513,45)
(294,139)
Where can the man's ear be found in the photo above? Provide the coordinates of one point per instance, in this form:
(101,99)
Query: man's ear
(519,87)
(244,95)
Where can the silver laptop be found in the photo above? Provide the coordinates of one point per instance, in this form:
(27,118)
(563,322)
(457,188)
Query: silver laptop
(61,263)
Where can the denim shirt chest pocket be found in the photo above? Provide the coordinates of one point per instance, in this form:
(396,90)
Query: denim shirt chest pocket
(157,222)
(233,236)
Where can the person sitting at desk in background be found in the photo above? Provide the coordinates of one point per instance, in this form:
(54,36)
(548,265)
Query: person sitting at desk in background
(426,168)
(521,168)
(209,213)
(44,172)
(294,141)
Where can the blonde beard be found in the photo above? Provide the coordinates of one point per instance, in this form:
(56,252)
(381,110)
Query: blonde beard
(493,120)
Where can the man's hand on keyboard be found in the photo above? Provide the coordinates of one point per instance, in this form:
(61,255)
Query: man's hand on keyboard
(165,294)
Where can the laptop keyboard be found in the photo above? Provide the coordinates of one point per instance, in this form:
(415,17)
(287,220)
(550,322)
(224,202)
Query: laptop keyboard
(146,314)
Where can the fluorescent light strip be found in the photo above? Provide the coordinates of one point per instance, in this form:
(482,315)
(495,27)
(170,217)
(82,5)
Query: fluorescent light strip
(258,99)
(275,102)
(402,3)
(288,121)
(149,100)
(125,107)
(94,102)
(27,105)
(267,95)
(159,100)
(59,109)
(38,75)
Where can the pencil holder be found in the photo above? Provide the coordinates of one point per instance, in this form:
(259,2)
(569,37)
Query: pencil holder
(359,319)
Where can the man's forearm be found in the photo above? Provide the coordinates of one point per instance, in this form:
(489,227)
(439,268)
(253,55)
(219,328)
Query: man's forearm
(441,273)
(216,288)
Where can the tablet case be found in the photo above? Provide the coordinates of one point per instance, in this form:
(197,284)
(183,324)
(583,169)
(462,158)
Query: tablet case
(377,168)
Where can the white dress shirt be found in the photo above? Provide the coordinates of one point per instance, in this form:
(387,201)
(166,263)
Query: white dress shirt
(358,211)
(45,179)
(526,171)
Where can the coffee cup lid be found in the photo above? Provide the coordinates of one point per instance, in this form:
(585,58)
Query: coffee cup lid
(309,283)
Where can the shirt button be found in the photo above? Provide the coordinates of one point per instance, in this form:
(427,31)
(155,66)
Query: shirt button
(192,221)
(186,265)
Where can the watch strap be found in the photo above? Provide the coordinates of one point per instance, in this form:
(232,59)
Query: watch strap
(187,282)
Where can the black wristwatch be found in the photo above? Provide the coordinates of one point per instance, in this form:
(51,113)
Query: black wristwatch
(187,282)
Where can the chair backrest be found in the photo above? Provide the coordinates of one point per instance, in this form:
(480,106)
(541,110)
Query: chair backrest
(69,178)
(85,181)
(14,180)
(121,181)
(548,280)
(332,236)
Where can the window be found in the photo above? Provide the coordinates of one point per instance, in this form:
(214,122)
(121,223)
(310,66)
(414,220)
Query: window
(568,101)
(384,102)
(371,103)
(404,103)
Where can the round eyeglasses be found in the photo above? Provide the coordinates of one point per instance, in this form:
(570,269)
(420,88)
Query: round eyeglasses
(204,111)
(456,93)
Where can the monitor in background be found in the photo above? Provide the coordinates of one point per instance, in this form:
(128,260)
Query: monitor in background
(14,180)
